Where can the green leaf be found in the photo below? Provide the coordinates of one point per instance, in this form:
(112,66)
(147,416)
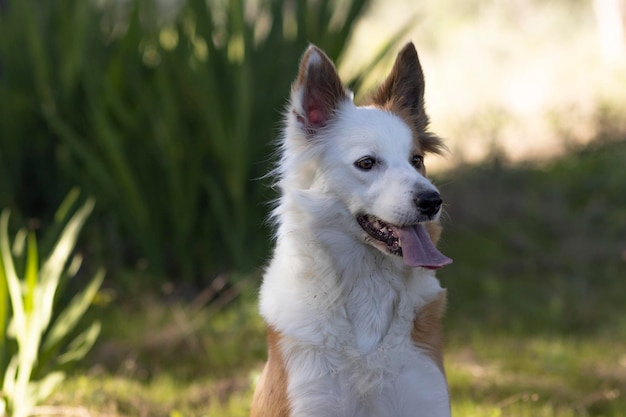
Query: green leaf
(61,216)
(12,281)
(32,270)
(53,266)
(64,210)
(75,310)
(4,308)
(40,390)
(19,242)
(10,376)
(79,347)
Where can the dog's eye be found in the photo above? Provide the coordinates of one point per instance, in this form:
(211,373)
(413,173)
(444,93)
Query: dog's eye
(417,161)
(365,163)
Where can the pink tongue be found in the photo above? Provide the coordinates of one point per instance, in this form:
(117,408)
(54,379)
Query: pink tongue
(418,249)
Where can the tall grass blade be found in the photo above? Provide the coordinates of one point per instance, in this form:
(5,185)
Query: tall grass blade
(32,270)
(53,267)
(12,281)
(43,388)
(65,208)
(10,378)
(80,346)
(4,308)
(60,218)
(73,312)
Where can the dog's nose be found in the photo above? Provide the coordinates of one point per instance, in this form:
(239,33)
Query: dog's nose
(428,203)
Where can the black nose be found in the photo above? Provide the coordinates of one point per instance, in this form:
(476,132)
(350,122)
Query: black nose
(428,203)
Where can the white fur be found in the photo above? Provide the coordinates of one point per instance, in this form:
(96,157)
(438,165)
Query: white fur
(345,309)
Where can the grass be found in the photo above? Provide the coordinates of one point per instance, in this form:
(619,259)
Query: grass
(547,376)
(535,325)
(553,234)
(536,319)
(162,358)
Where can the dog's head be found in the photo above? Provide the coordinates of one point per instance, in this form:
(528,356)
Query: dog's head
(369,160)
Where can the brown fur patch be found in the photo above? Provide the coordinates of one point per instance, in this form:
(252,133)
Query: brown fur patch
(427,333)
(270,396)
(434,230)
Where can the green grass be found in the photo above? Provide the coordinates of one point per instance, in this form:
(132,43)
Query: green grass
(542,245)
(535,325)
(161,358)
(547,376)
(536,318)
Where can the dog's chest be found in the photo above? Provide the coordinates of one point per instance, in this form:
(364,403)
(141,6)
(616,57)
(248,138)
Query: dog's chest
(367,364)
(377,345)
(378,314)
(392,379)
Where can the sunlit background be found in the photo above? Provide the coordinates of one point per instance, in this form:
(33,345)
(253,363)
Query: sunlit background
(529,79)
(164,114)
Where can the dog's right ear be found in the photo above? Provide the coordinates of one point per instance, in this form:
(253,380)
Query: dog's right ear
(317,92)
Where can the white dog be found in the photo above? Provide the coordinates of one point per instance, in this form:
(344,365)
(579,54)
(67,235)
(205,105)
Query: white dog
(350,297)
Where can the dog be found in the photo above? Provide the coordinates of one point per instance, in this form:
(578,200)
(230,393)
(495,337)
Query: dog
(350,298)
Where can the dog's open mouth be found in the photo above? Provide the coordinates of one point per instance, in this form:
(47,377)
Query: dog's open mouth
(381,231)
(411,242)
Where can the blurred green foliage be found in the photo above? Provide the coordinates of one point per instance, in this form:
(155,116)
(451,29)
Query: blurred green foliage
(39,341)
(166,116)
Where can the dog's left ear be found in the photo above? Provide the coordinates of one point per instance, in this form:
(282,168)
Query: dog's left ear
(403,90)
(317,92)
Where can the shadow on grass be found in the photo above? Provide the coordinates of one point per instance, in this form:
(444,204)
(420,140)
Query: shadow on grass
(538,249)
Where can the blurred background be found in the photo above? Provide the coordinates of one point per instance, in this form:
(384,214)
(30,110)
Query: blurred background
(166,112)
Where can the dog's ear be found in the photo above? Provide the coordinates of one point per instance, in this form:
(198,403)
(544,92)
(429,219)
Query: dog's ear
(317,92)
(403,90)
(403,93)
